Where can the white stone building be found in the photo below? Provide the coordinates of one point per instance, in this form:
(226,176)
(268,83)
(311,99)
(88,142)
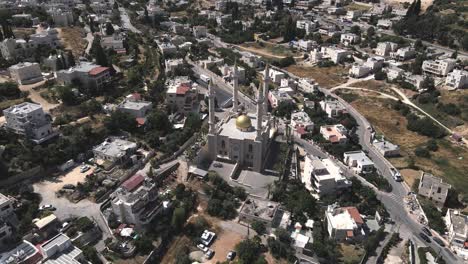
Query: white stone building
(323,176)
(385,48)
(438,67)
(433,188)
(349,39)
(332,107)
(335,54)
(114,151)
(61,18)
(359,71)
(307,25)
(26,73)
(359,161)
(403,54)
(136,201)
(30,120)
(114,42)
(137,109)
(344,223)
(87,73)
(199,31)
(276,97)
(182,95)
(334,133)
(457,229)
(457,79)
(301,123)
(60,249)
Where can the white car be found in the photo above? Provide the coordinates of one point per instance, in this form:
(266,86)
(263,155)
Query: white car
(84,168)
(202,247)
(47,207)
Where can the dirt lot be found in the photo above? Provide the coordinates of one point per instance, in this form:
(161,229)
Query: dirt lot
(326,77)
(73,39)
(448,162)
(410,176)
(374,85)
(225,242)
(71,177)
(424,3)
(268,50)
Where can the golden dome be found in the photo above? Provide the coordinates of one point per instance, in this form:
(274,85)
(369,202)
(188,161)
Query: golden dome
(243,122)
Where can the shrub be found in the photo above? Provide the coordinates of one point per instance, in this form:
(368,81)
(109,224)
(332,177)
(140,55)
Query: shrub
(422,152)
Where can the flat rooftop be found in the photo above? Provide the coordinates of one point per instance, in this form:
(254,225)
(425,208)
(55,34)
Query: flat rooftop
(115,147)
(263,209)
(134,105)
(23,108)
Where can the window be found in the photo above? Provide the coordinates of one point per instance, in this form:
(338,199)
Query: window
(250,148)
(223,144)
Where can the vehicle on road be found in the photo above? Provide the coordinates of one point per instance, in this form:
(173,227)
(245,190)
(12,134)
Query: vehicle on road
(425,237)
(202,247)
(209,254)
(396,174)
(69,187)
(439,241)
(231,255)
(426,231)
(205,78)
(47,207)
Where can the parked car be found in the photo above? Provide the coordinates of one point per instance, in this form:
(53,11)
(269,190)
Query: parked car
(231,255)
(217,165)
(425,237)
(426,231)
(209,254)
(47,207)
(202,247)
(84,168)
(439,241)
(69,186)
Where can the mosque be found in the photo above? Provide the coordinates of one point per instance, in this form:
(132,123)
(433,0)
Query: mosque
(242,138)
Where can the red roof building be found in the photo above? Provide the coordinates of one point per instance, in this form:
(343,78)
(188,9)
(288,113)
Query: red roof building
(132,183)
(98,70)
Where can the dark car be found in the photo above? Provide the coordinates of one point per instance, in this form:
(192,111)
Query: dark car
(425,237)
(426,231)
(439,241)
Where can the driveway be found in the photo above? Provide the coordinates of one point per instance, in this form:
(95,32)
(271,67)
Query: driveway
(66,208)
(36,97)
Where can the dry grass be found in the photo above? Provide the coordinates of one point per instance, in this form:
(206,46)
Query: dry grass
(23,32)
(448,162)
(357,7)
(410,176)
(350,253)
(374,85)
(73,39)
(268,50)
(176,246)
(327,77)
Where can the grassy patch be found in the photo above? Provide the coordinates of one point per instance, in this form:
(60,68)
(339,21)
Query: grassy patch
(326,77)
(350,253)
(357,7)
(72,38)
(268,49)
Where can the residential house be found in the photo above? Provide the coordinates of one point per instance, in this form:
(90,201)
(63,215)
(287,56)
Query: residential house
(61,18)
(261,210)
(114,151)
(433,188)
(275,75)
(182,95)
(16,48)
(353,14)
(323,176)
(385,24)
(136,201)
(136,108)
(172,64)
(349,39)
(457,229)
(88,74)
(29,119)
(114,42)
(359,71)
(335,54)
(252,60)
(24,253)
(228,72)
(458,79)
(307,85)
(199,31)
(166,48)
(60,249)
(26,73)
(301,124)
(403,54)
(307,25)
(344,223)
(438,67)
(374,63)
(394,73)
(334,133)
(359,161)
(276,97)
(386,148)
(211,61)
(332,107)
(385,48)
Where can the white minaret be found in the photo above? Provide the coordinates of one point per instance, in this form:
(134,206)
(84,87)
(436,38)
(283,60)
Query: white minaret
(211,108)
(266,82)
(260,100)
(235,95)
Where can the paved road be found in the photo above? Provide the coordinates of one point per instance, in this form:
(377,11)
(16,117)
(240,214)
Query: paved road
(126,23)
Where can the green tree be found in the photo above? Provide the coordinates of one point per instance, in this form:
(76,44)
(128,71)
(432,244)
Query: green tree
(66,94)
(144,244)
(159,121)
(109,29)
(9,90)
(119,120)
(370,32)
(178,218)
(259,227)
(249,251)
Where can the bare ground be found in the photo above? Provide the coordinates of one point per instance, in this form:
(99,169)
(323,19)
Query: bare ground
(326,77)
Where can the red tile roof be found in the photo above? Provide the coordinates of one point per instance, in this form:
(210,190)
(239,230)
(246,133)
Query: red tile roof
(141,121)
(182,89)
(349,233)
(353,211)
(133,182)
(97,70)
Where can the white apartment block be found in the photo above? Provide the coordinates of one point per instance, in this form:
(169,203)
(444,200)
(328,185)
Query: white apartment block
(172,64)
(457,79)
(438,67)
(375,63)
(301,123)
(211,61)
(61,17)
(333,108)
(307,85)
(457,227)
(16,48)
(335,54)
(135,201)
(228,71)
(87,73)
(334,133)
(403,54)
(384,23)
(349,39)
(359,161)
(433,188)
(30,120)
(114,42)
(26,73)
(114,151)
(276,97)
(359,71)
(344,223)
(137,109)
(275,76)
(385,48)
(308,25)
(182,95)
(323,176)
(60,249)
(48,37)
(394,73)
